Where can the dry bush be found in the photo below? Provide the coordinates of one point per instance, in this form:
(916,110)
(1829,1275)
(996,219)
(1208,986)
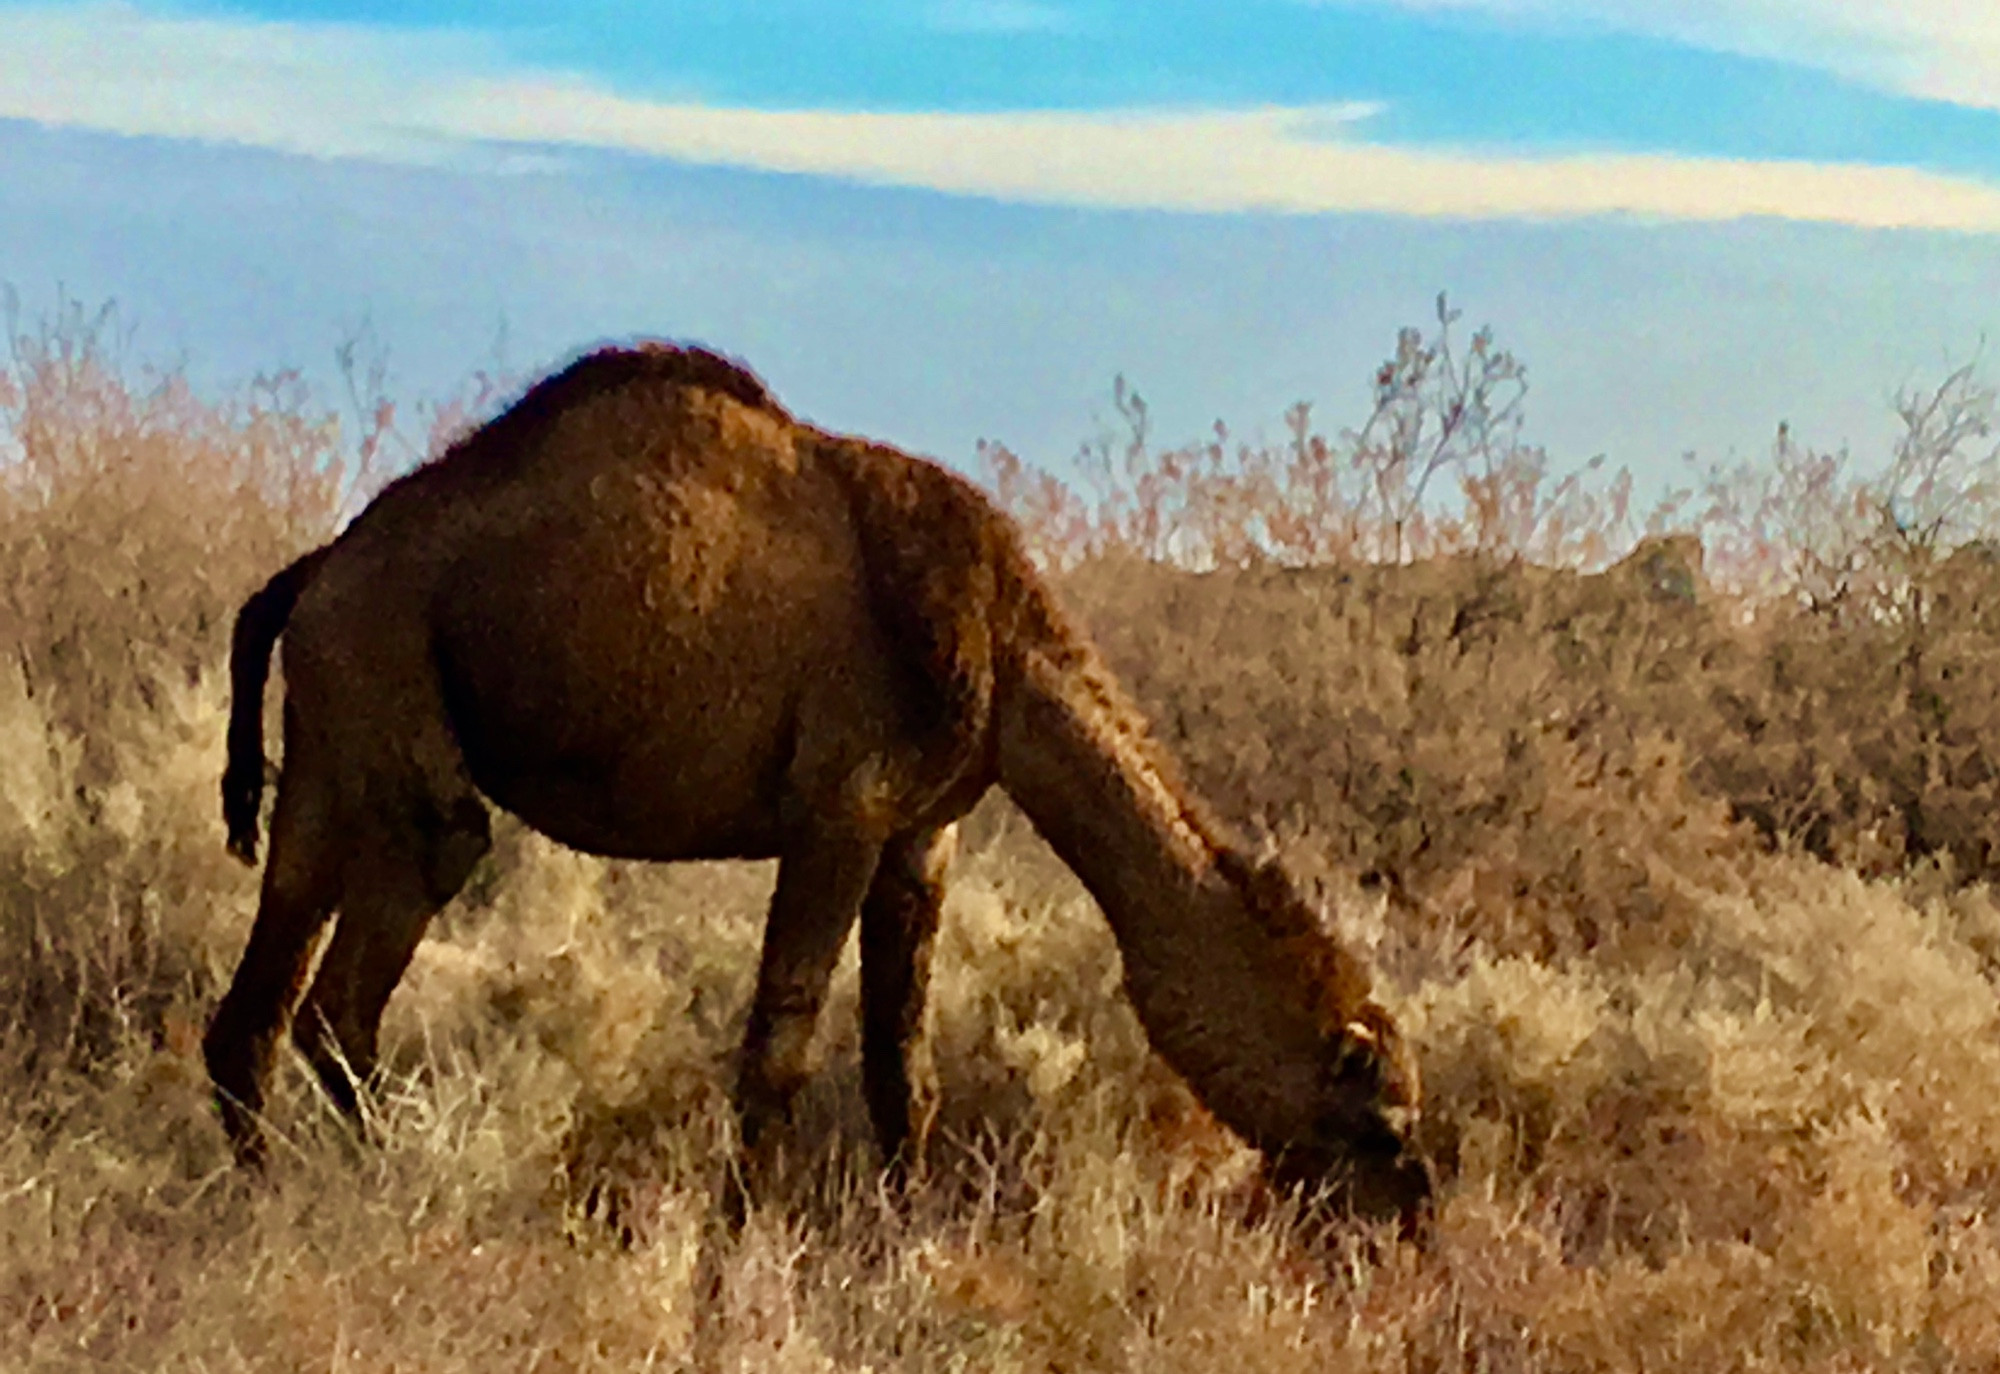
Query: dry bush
(1499,746)
(133,521)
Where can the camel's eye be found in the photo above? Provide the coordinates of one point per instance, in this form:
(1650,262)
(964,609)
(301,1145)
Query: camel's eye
(1371,1051)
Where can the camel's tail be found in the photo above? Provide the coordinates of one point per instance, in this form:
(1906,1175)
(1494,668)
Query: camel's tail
(258,626)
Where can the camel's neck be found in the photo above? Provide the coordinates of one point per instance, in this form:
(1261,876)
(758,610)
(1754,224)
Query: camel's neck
(1202,974)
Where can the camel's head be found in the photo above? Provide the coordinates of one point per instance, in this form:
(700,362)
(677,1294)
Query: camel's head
(1350,1139)
(1357,1154)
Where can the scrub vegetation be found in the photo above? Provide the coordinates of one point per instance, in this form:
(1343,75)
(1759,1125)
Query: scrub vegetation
(1670,827)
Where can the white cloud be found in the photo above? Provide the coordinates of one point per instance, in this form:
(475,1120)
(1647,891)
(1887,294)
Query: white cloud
(1938,49)
(352,92)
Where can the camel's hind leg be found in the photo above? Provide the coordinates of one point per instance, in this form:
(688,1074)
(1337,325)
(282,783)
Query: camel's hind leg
(899,921)
(302,882)
(396,883)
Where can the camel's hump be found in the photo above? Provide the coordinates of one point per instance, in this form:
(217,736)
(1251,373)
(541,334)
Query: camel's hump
(652,360)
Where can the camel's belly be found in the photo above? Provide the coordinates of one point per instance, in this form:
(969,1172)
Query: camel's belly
(687,750)
(629,826)
(640,766)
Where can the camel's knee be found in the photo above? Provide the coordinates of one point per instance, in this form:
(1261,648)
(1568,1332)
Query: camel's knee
(778,1061)
(778,1054)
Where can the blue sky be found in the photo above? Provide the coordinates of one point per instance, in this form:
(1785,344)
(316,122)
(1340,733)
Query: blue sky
(940,220)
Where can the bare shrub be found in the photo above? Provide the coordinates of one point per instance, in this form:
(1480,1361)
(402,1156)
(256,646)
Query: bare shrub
(133,521)
(1438,467)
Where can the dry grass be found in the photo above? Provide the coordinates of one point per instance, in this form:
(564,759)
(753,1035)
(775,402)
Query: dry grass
(1680,890)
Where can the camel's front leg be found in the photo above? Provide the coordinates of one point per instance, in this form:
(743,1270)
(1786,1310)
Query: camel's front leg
(899,921)
(821,882)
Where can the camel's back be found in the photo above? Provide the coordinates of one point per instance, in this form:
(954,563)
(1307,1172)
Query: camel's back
(621,432)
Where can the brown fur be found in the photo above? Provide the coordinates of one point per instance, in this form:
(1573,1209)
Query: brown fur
(657,617)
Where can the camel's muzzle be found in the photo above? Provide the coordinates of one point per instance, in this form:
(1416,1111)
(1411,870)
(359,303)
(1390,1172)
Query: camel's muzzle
(1377,1178)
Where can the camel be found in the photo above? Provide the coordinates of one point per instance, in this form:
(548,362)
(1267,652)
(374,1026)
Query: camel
(655,616)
